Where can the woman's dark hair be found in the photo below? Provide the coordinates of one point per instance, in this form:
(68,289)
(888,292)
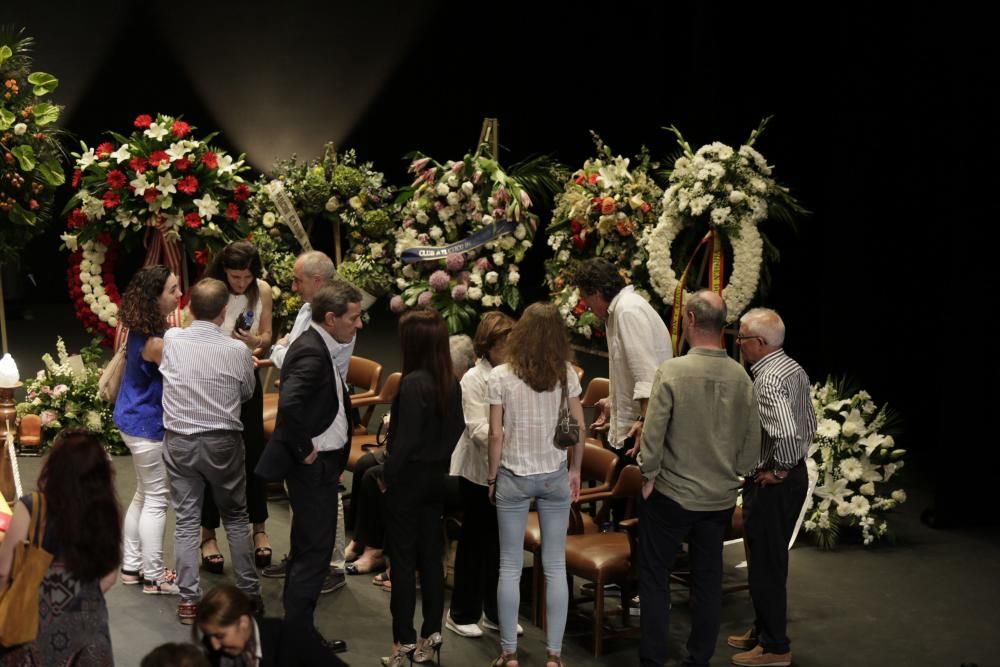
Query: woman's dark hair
(140,311)
(222,606)
(238,256)
(78,483)
(175,655)
(538,349)
(423,336)
(599,276)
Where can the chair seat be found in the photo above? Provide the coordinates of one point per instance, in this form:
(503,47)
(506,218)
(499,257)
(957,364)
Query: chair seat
(600,557)
(360,445)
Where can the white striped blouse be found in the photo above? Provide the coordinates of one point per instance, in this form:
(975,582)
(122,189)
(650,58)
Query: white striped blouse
(782,390)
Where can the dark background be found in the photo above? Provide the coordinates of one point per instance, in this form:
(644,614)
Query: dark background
(884,127)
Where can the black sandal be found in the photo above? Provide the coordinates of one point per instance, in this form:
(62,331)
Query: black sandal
(262,555)
(214,563)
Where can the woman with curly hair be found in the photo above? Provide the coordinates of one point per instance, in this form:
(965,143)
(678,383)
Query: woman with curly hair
(525,394)
(248,319)
(76,500)
(152,294)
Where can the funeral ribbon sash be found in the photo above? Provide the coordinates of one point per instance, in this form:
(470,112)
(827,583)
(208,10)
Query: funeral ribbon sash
(471,242)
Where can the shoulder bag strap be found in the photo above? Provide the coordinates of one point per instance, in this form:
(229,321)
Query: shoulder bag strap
(38,518)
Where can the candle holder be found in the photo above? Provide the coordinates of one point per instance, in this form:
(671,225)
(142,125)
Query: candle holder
(8,424)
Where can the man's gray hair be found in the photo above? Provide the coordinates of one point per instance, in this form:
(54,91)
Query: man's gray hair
(463,355)
(765,323)
(208,299)
(333,298)
(316,263)
(708,317)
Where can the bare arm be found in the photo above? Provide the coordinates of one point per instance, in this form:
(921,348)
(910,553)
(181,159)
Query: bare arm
(153,350)
(576,409)
(496,445)
(108,580)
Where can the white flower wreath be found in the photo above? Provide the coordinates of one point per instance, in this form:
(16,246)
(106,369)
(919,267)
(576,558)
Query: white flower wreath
(746,262)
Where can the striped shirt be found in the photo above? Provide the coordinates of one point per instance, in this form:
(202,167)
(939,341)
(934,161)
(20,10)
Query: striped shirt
(206,376)
(529,420)
(788,422)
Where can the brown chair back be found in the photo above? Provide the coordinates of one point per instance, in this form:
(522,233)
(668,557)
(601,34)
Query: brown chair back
(364,374)
(598,465)
(596,390)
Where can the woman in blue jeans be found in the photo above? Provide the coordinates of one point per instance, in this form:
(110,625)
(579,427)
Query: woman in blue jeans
(525,394)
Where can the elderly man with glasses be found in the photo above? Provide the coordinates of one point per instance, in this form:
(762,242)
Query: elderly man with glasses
(776,489)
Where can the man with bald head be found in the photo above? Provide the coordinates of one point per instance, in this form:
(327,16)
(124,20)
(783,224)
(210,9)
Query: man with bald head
(777,487)
(702,431)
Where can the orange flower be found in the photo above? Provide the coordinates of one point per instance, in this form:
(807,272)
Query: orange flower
(608,206)
(625,226)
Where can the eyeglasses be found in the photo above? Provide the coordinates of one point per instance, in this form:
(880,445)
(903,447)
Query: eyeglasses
(740,338)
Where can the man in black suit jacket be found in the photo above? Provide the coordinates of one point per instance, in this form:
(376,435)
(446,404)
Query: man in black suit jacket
(308,449)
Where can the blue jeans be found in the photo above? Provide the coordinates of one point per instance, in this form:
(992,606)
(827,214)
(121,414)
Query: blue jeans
(513,496)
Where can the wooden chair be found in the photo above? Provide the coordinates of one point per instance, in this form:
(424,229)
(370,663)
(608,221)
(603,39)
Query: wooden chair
(597,389)
(366,442)
(606,558)
(29,434)
(598,467)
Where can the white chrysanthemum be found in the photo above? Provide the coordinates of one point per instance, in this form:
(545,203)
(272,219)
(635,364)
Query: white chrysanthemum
(899,496)
(498,258)
(828,428)
(442,189)
(859,506)
(851,469)
(492,277)
(867,489)
(475,293)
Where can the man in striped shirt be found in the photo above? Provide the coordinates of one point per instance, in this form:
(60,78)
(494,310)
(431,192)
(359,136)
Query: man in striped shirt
(776,489)
(206,377)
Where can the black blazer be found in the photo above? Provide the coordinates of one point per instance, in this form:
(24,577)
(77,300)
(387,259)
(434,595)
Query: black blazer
(307,405)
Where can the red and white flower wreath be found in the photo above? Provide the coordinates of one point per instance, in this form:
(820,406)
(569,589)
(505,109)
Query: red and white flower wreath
(92,286)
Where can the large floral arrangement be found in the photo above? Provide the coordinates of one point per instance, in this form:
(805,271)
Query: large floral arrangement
(851,462)
(721,195)
(338,190)
(472,200)
(30,168)
(603,211)
(64,395)
(185,194)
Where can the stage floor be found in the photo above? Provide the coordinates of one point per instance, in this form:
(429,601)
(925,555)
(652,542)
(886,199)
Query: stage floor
(929,600)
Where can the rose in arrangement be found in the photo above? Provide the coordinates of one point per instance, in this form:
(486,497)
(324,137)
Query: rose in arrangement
(851,462)
(30,155)
(337,190)
(185,194)
(64,395)
(466,226)
(604,209)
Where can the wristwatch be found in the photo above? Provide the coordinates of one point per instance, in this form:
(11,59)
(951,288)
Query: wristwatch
(779,473)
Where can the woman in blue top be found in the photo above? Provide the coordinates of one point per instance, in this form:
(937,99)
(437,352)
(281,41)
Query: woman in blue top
(152,294)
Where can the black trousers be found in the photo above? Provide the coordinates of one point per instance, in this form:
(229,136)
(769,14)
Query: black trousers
(663,525)
(353,508)
(477,562)
(769,516)
(618,506)
(312,493)
(252,416)
(415,506)
(370,529)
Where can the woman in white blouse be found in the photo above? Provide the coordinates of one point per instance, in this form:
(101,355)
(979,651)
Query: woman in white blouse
(525,394)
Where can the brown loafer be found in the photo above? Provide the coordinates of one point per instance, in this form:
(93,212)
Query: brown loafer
(745,642)
(186,612)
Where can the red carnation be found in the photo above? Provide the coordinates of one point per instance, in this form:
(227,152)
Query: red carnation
(210,160)
(116,179)
(156,157)
(138,165)
(180,129)
(593,179)
(579,242)
(580,179)
(201,257)
(112,199)
(150,195)
(76,219)
(76,177)
(188,185)
(143,121)
(194,222)
(575,226)
(105,149)
(233,211)
(182,164)
(580,308)
(242,192)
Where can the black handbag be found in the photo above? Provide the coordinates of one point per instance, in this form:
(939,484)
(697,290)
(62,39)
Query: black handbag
(567,428)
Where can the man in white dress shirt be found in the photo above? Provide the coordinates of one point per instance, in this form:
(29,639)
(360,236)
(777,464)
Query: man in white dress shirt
(314,269)
(638,342)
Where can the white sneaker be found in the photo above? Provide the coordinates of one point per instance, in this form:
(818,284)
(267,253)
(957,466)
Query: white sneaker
(468,630)
(490,625)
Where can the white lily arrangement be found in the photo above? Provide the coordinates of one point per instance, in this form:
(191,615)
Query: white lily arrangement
(850,463)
